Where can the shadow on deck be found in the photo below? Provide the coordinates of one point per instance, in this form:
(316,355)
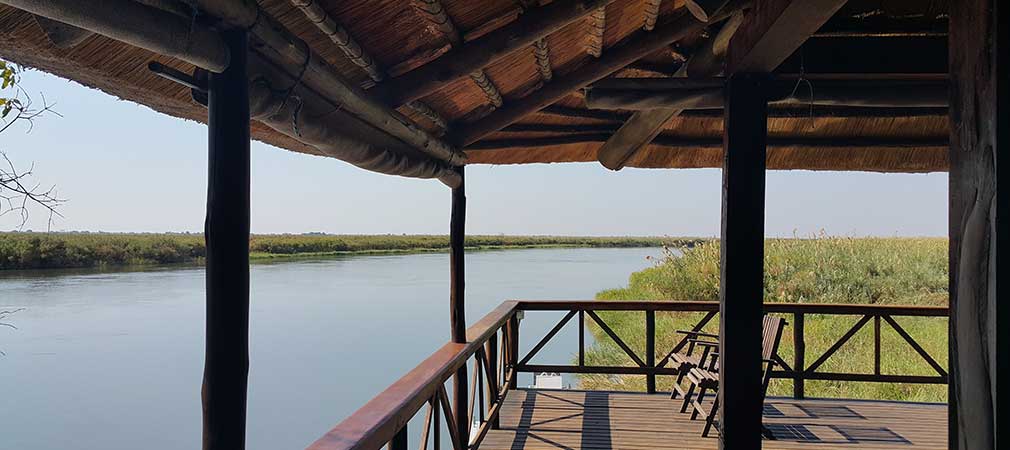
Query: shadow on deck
(543,419)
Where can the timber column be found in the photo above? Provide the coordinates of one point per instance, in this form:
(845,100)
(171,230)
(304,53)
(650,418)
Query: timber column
(226,230)
(741,285)
(979,384)
(457,303)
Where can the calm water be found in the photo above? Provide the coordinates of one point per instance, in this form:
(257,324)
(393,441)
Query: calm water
(115,360)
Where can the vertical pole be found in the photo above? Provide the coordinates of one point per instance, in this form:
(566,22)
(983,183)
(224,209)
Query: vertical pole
(457,304)
(226,231)
(979,394)
(741,289)
(492,382)
(650,350)
(876,345)
(513,327)
(582,338)
(399,441)
(799,355)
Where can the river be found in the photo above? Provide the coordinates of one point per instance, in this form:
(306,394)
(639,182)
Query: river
(113,360)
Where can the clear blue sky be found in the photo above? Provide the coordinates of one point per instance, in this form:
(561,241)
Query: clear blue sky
(124,167)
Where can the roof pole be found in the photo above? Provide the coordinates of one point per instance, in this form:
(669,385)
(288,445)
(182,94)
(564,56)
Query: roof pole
(226,364)
(457,303)
(741,285)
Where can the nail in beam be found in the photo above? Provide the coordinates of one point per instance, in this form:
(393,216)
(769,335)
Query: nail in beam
(226,364)
(742,262)
(457,304)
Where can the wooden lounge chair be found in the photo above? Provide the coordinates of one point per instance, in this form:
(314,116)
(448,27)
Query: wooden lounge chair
(705,376)
(690,359)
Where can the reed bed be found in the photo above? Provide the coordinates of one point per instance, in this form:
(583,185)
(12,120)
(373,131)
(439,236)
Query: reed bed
(76,250)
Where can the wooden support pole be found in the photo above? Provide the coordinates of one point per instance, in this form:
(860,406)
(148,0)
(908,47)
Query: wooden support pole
(741,288)
(226,363)
(650,350)
(979,396)
(491,349)
(457,303)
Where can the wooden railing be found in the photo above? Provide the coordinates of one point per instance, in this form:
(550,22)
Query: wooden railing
(492,349)
(798,371)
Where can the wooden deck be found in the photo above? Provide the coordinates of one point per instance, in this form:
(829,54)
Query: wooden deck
(543,419)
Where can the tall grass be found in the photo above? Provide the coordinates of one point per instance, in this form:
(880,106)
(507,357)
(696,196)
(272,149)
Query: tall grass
(66,250)
(895,271)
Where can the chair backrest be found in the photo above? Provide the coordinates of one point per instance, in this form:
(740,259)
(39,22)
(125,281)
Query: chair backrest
(771,334)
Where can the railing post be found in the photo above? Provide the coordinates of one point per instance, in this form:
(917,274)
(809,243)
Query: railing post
(876,345)
(513,358)
(582,338)
(226,363)
(799,354)
(399,441)
(492,382)
(650,350)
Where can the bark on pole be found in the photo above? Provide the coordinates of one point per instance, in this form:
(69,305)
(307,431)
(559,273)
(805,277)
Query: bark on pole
(979,225)
(457,303)
(226,364)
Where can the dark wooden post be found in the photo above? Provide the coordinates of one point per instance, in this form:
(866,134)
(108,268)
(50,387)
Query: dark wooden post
(491,349)
(399,441)
(457,303)
(513,346)
(226,231)
(742,272)
(799,355)
(650,350)
(979,225)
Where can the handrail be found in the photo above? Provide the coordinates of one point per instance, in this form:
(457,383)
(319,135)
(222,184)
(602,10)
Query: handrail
(385,415)
(384,418)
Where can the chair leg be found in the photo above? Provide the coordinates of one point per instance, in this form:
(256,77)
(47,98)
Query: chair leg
(701,398)
(687,398)
(711,417)
(681,372)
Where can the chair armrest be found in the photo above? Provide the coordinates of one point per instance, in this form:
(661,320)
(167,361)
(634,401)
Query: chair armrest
(698,333)
(705,343)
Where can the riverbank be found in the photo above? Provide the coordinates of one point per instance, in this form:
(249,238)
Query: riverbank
(21,251)
(892,271)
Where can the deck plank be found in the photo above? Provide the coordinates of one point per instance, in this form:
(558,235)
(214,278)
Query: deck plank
(592,420)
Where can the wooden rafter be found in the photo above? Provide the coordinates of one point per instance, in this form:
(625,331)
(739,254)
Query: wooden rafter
(439,21)
(350,47)
(463,60)
(597,23)
(651,14)
(619,56)
(542,52)
(770,33)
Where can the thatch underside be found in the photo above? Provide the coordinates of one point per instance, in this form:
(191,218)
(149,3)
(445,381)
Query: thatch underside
(398,39)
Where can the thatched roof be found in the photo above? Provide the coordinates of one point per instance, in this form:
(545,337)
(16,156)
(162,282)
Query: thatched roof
(865,36)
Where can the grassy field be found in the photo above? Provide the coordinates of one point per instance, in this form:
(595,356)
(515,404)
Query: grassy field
(896,271)
(68,250)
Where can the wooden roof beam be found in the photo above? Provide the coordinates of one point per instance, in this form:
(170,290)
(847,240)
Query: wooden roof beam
(466,58)
(715,142)
(770,33)
(678,27)
(651,14)
(357,55)
(285,49)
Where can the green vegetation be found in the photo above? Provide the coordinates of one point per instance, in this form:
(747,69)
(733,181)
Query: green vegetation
(65,250)
(897,271)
